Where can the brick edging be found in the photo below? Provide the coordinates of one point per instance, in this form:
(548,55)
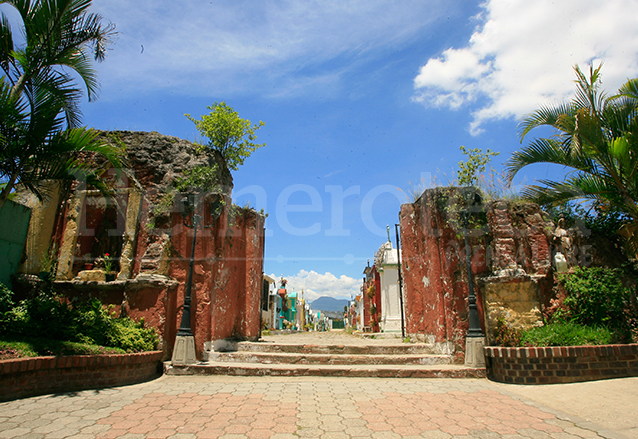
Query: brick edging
(32,376)
(563,364)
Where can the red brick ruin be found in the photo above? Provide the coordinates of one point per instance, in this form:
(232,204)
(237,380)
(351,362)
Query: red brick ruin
(142,229)
(511,254)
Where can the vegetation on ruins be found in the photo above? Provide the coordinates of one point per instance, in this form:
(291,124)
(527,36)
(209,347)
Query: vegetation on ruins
(597,141)
(232,137)
(40,134)
(594,305)
(46,324)
(470,170)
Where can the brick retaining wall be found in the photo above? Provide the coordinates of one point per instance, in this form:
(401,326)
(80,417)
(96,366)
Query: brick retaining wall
(550,365)
(25,377)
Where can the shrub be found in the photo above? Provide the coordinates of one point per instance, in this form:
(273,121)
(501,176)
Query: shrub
(86,322)
(41,314)
(506,335)
(97,325)
(594,296)
(6,305)
(566,334)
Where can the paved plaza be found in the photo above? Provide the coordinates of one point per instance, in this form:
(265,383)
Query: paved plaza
(327,408)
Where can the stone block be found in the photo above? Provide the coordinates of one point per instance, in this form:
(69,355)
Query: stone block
(184,350)
(474,355)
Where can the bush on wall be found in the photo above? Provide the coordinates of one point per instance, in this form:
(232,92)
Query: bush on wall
(596,297)
(46,316)
(593,306)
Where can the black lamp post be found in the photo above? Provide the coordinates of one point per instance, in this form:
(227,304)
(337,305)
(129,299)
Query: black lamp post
(191,205)
(474,329)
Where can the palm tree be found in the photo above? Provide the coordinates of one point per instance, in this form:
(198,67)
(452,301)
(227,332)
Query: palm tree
(34,148)
(40,138)
(597,140)
(59,34)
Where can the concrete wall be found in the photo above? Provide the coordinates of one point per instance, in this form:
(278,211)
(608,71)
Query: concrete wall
(14,218)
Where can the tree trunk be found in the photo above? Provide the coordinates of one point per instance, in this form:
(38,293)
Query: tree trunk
(7,189)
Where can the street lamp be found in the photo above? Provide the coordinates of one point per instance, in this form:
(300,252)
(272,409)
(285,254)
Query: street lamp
(475,338)
(184,350)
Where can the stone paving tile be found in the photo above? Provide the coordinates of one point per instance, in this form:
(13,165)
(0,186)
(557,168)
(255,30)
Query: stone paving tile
(287,408)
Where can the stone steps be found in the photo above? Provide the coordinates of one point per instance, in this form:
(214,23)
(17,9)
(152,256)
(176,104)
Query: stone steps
(326,359)
(296,370)
(345,349)
(410,360)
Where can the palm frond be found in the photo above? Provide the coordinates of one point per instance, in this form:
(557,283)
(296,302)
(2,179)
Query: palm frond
(547,115)
(628,90)
(6,43)
(588,95)
(546,151)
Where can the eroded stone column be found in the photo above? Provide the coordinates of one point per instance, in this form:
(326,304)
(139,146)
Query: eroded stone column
(70,237)
(40,228)
(129,239)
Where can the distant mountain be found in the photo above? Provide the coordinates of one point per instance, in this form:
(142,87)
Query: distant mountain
(327,303)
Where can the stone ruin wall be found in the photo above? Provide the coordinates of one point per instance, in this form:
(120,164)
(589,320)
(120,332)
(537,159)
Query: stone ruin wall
(155,246)
(512,249)
(434,281)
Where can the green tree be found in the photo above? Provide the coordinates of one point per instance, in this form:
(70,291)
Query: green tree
(40,137)
(597,141)
(468,172)
(232,137)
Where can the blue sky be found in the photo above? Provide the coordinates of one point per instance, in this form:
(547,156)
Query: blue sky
(361,100)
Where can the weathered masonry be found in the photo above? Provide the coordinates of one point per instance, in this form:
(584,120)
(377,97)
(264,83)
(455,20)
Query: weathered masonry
(512,247)
(142,230)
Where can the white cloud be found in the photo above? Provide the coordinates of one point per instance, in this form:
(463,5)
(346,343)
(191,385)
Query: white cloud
(315,285)
(194,47)
(523,53)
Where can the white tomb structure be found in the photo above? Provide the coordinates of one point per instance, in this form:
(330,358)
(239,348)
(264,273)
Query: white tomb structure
(387,262)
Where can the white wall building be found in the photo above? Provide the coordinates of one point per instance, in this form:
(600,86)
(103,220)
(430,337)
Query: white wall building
(387,263)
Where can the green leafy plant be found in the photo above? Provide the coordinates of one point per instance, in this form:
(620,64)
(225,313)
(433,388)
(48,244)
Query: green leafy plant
(159,213)
(594,296)
(505,334)
(198,179)
(86,322)
(49,259)
(108,263)
(566,334)
(6,307)
(469,171)
(34,347)
(228,135)
(592,307)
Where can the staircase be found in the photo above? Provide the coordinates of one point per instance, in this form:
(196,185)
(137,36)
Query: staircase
(374,358)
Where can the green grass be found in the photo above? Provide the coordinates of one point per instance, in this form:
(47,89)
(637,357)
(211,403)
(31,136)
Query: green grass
(37,347)
(566,334)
